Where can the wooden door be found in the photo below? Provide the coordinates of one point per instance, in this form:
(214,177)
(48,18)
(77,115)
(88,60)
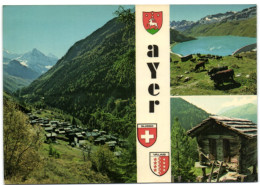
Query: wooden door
(212,149)
(226,150)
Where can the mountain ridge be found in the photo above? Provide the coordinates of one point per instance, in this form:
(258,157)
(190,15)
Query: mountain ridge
(246,111)
(21,69)
(187,26)
(189,115)
(15,68)
(37,61)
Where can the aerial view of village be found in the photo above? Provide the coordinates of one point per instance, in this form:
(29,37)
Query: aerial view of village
(213,49)
(69,94)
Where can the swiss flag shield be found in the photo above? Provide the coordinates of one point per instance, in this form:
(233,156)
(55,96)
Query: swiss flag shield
(147,133)
(159,162)
(152,21)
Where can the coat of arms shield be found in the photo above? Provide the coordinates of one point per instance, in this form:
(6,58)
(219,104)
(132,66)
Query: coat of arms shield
(152,21)
(159,162)
(147,133)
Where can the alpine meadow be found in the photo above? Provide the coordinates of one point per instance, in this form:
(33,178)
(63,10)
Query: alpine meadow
(76,122)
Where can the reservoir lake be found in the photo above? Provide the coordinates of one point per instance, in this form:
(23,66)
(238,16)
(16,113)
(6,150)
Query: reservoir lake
(215,45)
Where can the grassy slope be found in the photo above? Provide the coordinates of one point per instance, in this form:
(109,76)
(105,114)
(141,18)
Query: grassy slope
(200,83)
(12,83)
(69,168)
(176,36)
(245,28)
(188,114)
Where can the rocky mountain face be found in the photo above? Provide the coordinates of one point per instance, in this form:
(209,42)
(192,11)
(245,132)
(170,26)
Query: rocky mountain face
(15,68)
(38,61)
(34,59)
(21,69)
(242,15)
(10,55)
(16,76)
(181,25)
(216,18)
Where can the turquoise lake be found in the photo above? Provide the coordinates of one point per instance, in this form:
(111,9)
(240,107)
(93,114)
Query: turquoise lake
(216,45)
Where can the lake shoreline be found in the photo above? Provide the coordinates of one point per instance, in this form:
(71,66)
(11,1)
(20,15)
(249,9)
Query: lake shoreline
(215,45)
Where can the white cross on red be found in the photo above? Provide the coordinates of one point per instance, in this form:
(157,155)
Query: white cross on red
(147,136)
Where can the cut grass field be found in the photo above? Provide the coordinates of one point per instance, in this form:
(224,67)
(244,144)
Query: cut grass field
(201,84)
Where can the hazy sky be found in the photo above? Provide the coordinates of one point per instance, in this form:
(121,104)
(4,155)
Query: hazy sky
(51,29)
(214,104)
(196,12)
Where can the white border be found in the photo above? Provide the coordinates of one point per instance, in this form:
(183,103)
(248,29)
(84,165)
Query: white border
(104,2)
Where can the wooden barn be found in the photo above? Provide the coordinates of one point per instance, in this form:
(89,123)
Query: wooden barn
(228,142)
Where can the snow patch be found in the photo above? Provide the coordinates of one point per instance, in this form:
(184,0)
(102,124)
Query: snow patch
(24,63)
(48,67)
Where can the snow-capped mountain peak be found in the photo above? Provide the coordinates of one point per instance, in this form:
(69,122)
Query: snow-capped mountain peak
(220,17)
(34,59)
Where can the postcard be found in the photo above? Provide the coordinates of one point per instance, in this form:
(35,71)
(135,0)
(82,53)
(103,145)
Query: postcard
(97,94)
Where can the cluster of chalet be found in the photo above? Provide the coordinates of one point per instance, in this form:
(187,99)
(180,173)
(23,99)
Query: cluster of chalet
(231,142)
(75,135)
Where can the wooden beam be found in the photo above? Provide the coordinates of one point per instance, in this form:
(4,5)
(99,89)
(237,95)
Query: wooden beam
(211,173)
(219,171)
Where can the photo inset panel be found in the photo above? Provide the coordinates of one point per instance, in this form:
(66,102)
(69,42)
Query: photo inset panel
(214,138)
(69,94)
(213,49)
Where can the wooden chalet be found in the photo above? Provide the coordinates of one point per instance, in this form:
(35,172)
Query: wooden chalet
(52,136)
(48,129)
(230,141)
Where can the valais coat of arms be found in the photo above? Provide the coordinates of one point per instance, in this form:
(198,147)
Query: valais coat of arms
(159,162)
(152,21)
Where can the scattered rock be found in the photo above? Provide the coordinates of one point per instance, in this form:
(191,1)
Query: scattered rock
(238,75)
(179,77)
(187,79)
(187,72)
(247,76)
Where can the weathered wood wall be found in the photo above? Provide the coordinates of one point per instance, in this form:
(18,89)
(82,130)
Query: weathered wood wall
(219,134)
(248,156)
